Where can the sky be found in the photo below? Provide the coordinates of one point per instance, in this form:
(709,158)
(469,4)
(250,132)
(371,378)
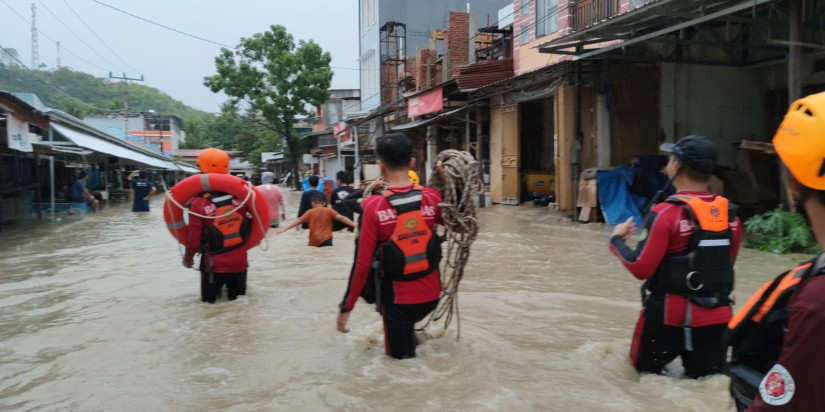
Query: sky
(170,61)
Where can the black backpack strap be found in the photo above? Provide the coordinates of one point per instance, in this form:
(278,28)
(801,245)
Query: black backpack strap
(818,265)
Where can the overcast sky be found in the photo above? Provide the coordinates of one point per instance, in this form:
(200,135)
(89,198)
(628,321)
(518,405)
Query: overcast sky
(170,61)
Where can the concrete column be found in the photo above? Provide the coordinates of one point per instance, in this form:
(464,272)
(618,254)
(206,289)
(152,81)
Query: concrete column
(432,150)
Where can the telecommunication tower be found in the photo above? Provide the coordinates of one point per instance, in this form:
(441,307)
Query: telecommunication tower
(35,47)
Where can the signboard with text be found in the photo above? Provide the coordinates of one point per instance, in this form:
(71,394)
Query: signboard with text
(18,134)
(427,102)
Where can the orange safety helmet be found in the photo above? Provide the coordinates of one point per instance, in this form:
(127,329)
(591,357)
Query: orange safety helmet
(213,160)
(800,141)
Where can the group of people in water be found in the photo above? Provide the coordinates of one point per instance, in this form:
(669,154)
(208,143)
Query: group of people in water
(686,257)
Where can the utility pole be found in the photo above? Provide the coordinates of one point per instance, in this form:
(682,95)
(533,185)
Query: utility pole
(126,101)
(35,46)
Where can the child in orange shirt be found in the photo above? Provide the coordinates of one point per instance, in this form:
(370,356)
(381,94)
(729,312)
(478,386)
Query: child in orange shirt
(320,220)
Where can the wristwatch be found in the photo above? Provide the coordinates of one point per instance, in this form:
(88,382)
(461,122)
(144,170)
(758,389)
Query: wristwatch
(343,307)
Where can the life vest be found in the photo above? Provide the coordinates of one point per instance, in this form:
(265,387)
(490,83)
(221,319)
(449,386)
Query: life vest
(704,273)
(413,250)
(230,229)
(755,334)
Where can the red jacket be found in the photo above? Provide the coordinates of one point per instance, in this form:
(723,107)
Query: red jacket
(377,225)
(669,231)
(230,262)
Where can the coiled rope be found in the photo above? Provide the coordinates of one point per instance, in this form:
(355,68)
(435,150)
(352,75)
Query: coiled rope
(460,186)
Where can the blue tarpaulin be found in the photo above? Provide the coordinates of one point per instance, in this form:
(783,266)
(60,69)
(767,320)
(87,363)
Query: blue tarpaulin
(617,203)
(321,182)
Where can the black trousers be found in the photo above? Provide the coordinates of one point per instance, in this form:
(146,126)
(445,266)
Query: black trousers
(212,285)
(399,327)
(658,345)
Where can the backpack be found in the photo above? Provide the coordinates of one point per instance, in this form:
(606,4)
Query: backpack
(755,334)
(414,250)
(230,229)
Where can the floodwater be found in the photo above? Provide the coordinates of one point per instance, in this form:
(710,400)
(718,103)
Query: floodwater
(98,314)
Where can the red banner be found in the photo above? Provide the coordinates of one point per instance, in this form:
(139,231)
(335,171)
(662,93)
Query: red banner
(427,102)
(342,132)
(345,136)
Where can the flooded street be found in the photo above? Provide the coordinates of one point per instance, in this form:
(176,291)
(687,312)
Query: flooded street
(98,314)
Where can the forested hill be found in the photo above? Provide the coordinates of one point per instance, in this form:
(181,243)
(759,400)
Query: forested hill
(93,91)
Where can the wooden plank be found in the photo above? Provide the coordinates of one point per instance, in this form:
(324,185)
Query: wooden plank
(590,149)
(495,154)
(511,189)
(584,215)
(566,132)
(634,118)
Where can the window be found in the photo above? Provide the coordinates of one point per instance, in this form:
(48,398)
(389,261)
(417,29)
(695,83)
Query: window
(524,37)
(547,17)
(523,7)
(369,74)
(368,12)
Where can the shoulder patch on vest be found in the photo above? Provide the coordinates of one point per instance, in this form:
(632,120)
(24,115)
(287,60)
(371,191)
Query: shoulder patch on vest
(777,387)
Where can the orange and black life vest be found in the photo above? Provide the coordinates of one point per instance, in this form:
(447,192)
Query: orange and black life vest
(704,273)
(413,250)
(229,229)
(755,334)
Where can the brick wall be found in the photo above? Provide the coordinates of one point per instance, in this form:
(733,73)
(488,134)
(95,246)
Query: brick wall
(423,58)
(458,41)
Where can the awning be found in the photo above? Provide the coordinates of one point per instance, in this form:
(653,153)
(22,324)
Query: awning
(422,122)
(99,145)
(186,168)
(651,21)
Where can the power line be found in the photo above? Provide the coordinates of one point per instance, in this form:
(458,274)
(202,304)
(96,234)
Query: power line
(78,37)
(52,86)
(99,38)
(53,40)
(163,26)
(192,35)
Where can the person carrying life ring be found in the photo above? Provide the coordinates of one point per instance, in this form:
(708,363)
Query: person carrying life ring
(219,241)
(776,338)
(686,260)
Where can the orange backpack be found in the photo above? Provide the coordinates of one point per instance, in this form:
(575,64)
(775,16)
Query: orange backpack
(414,250)
(230,229)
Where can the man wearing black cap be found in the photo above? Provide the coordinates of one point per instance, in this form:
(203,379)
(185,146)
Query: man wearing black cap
(685,257)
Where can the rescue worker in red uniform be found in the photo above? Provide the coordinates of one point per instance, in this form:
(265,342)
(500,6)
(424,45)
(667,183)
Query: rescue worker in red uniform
(686,257)
(219,265)
(398,229)
(777,357)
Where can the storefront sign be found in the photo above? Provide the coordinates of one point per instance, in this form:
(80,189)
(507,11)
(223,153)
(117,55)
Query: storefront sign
(427,102)
(18,134)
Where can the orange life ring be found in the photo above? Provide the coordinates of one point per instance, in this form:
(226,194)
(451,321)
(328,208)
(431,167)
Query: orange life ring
(193,186)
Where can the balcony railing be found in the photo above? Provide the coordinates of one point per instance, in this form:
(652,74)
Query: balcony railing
(589,12)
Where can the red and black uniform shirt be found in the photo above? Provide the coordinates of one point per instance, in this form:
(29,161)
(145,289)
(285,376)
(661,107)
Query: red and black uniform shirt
(797,380)
(667,231)
(377,225)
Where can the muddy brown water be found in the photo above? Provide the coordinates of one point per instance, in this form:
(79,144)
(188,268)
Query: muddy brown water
(98,314)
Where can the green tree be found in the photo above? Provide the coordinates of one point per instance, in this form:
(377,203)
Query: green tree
(276,79)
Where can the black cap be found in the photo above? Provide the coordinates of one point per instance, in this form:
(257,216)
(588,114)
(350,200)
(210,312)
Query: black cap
(693,150)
